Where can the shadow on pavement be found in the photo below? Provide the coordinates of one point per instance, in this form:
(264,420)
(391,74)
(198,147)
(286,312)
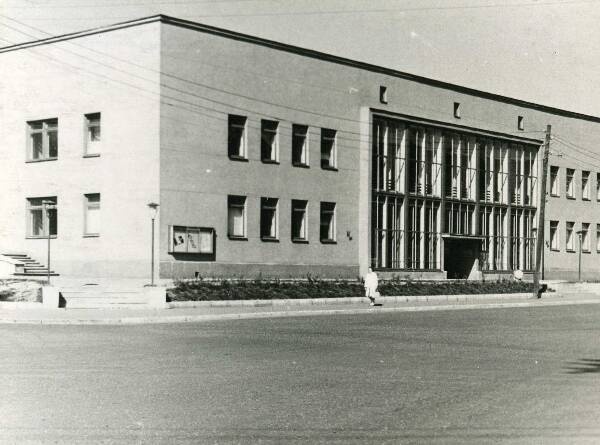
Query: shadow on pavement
(583,366)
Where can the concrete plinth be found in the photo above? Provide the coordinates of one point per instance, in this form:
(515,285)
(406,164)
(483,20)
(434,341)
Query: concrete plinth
(50,297)
(156,296)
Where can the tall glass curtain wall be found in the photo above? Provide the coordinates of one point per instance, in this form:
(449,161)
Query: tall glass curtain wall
(427,182)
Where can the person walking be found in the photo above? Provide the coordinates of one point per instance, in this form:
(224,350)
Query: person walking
(371,283)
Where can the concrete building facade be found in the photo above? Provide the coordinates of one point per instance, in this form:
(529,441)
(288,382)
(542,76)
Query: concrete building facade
(272,160)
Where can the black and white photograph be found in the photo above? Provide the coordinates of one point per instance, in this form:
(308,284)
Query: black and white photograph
(300,222)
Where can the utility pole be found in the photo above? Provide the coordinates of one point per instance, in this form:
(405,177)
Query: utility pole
(539,247)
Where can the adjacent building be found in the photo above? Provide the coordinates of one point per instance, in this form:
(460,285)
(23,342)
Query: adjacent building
(277,161)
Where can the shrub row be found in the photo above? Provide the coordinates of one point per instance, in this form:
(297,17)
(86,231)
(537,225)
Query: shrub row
(201,290)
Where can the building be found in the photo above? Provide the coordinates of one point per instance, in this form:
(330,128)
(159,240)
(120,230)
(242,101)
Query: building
(273,160)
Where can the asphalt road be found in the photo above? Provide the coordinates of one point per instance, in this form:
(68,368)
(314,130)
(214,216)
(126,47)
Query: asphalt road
(477,376)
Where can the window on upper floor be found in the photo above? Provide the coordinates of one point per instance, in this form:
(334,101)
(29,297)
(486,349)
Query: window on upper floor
(570,186)
(93,134)
(598,186)
(554,181)
(42,140)
(42,217)
(554,236)
(269,141)
(236,217)
(598,238)
(328,229)
(585,185)
(236,136)
(328,149)
(300,145)
(299,220)
(92,214)
(268,219)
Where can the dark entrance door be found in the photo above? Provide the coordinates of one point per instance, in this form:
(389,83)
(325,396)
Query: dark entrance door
(460,255)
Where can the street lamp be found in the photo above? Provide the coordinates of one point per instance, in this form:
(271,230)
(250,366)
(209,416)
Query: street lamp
(153,206)
(48,205)
(579,234)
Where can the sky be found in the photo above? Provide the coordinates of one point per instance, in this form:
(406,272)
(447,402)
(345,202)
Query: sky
(543,51)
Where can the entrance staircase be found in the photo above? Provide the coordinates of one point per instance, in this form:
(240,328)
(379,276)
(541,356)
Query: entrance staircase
(27,267)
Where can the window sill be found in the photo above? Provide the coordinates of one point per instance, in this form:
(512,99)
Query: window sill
(554,249)
(238,158)
(33,161)
(570,250)
(237,238)
(329,167)
(554,196)
(269,239)
(40,237)
(91,155)
(300,165)
(91,235)
(299,241)
(269,161)
(571,197)
(586,251)
(328,241)
(585,199)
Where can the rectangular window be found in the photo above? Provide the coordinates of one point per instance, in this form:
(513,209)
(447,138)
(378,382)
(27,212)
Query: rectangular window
(236,216)
(457,110)
(191,239)
(570,185)
(299,223)
(269,141)
(42,217)
(554,236)
(585,237)
(520,123)
(598,238)
(598,186)
(585,185)
(92,134)
(554,181)
(328,148)
(328,230)
(268,218)
(236,136)
(43,140)
(92,214)
(300,145)
(570,243)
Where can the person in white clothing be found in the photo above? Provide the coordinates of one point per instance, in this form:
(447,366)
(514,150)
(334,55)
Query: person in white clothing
(371,283)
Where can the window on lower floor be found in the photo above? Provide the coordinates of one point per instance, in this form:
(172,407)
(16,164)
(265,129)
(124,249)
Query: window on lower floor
(570,245)
(42,216)
(236,216)
(268,218)
(269,145)
(299,223)
(554,236)
(92,214)
(328,149)
(585,237)
(328,229)
(43,140)
(300,145)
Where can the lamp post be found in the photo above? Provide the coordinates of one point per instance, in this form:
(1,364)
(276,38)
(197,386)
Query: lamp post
(579,233)
(153,206)
(48,205)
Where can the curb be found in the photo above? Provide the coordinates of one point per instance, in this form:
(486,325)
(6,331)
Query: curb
(332,301)
(281,314)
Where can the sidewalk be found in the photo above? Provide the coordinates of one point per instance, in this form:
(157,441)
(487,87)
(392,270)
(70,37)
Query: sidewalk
(186,312)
